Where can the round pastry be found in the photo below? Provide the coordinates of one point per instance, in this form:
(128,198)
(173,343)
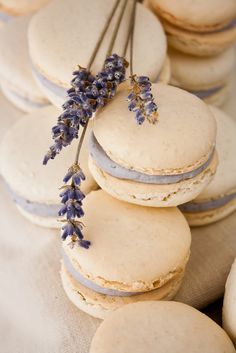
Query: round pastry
(229,307)
(20,7)
(206,77)
(136,253)
(218,199)
(157,165)
(198,27)
(16,77)
(64,34)
(163,327)
(34,187)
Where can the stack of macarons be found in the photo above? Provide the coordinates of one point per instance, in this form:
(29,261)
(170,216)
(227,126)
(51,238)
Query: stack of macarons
(199,35)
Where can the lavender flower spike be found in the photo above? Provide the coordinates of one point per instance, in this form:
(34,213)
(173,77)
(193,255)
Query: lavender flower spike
(141,100)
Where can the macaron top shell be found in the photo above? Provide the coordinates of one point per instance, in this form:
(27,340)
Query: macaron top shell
(21,7)
(197,15)
(64,34)
(181,141)
(159,326)
(15,66)
(198,73)
(224,180)
(132,247)
(22,152)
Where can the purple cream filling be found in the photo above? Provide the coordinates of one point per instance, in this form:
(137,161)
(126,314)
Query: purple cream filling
(205,94)
(5,17)
(91,285)
(192,207)
(230,25)
(27,100)
(109,166)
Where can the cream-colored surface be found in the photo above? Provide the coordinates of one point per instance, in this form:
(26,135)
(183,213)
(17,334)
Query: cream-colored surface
(21,7)
(219,98)
(65,33)
(100,306)
(120,231)
(47,222)
(197,15)
(181,141)
(172,327)
(22,152)
(201,73)
(229,307)
(153,194)
(15,68)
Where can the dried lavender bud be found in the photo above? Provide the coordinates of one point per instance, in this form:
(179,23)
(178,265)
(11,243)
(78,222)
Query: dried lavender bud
(141,100)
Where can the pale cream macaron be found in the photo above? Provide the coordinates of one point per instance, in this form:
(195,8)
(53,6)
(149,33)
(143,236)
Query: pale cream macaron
(136,253)
(218,199)
(158,165)
(229,307)
(198,27)
(16,77)
(160,327)
(20,7)
(34,187)
(206,77)
(64,34)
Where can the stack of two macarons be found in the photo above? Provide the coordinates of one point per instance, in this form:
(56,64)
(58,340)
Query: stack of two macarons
(200,36)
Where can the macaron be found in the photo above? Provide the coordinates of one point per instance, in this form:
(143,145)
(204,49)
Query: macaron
(65,33)
(159,165)
(163,327)
(198,27)
(229,307)
(218,199)
(16,78)
(34,187)
(136,254)
(206,77)
(12,8)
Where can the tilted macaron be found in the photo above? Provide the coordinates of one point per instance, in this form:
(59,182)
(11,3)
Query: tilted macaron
(198,27)
(136,253)
(154,165)
(229,307)
(206,77)
(16,77)
(65,33)
(34,187)
(218,199)
(20,7)
(160,327)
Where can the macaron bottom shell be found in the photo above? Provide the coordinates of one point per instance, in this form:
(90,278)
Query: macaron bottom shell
(152,194)
(218,98)
(47,222)
(100,305)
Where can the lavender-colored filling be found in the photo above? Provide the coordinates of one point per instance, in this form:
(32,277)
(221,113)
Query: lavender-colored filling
(35,208)
(109,166)
(4,17)
(230,25)
(205,94)
(192,207)
(91,285)
(28,101)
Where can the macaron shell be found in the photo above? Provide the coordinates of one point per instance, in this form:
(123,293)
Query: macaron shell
(200,16)
(66,49)
(22,152)
(100,305)
(47,222)
(170,327)
(195,73)
(152,194)
(15,70)
(21,7)
(220,97)
(229,307)
(181,141)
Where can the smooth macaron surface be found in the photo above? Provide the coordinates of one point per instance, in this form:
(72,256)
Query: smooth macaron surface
(15,66)
(133,248)
(181,141)
(229,307)
(21,7)
(22,152)
(64,34)
(163,327)
(199,16)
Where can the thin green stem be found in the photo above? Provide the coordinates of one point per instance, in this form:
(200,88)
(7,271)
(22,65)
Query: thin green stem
(129,29)
(132,39)
(81,140)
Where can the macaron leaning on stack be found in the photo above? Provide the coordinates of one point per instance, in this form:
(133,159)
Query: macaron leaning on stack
(229,307)
(34,187)
(16,78)
(64,34)
(218,199)
(202,28)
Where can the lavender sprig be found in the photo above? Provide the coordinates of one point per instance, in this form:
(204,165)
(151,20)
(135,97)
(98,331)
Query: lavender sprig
(87,94)
(141,100)
(71,198)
